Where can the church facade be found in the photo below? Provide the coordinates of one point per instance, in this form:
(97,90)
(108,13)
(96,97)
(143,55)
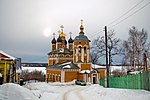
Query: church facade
(73,62)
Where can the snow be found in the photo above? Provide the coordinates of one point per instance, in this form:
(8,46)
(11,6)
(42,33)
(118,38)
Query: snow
(68,91)
(9,56)
(12,91)
(43,69)
(85,71)
(18,70)
(135,72)
(65,63)
(97,66)
(67,66)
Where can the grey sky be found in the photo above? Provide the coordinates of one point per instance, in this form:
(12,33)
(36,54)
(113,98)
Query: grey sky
(22,22)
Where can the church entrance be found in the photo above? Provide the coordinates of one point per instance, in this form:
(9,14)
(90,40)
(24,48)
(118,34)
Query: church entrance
(95,77)
(94,80)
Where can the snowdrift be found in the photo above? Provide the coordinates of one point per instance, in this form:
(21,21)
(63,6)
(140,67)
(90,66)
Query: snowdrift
(12,91)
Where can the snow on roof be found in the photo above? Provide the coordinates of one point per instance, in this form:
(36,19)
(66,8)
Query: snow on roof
(9,56)
(67,66)
(97,66)
(85,72)
(65,63)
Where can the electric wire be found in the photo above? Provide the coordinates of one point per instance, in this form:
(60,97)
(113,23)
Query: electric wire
(110,26)
(126,12)
(130,15)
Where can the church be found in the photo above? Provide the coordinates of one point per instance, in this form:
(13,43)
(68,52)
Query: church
(69,60)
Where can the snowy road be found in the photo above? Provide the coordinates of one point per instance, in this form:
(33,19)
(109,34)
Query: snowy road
(74,93)
(68,91)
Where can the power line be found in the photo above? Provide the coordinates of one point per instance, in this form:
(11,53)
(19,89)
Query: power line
(93,36)
(130,15)
(119,18)
(126,12)
(123,16)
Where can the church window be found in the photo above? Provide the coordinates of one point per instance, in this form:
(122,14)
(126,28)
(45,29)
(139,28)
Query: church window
(79,49)
(75,50)
(85,51)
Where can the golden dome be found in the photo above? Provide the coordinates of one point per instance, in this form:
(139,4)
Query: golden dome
(62,35)
(81,27)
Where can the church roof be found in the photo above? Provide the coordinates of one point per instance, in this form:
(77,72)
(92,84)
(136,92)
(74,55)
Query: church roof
(66,65)
(82,37)
(61,51)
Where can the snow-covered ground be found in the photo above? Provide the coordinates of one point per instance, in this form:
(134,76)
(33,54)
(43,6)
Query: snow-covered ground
(68,91)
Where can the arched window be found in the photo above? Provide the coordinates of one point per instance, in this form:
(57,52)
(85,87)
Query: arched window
(75,50)
(85,50)
(79,49)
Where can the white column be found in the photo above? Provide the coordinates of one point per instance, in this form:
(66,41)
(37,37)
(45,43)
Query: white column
(76,54)
(84,75)
(82,54)
(62,76)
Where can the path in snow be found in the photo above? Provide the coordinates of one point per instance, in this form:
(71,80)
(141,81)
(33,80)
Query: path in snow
(74,93)
(68,91)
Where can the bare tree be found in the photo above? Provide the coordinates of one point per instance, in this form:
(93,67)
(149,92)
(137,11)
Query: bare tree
(135,47)
(113,46)
(94,57)
(33,75)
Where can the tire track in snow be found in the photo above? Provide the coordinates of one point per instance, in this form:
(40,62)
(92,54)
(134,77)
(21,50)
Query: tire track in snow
(73,93)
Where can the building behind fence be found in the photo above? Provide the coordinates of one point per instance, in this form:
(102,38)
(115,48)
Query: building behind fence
(137,81)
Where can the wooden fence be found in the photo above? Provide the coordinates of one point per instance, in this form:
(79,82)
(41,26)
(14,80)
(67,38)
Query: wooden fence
(137,81)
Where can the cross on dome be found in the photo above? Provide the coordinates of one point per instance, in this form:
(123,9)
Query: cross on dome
(81,21)
(62,27)
(62,35)
(70,33)
(81,27)
(54,35)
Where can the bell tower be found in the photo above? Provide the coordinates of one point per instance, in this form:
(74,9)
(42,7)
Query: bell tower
(81,47)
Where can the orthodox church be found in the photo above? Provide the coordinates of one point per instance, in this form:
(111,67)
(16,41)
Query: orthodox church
(73,62)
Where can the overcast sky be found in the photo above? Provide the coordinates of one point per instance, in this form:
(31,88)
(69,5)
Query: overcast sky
(23,22)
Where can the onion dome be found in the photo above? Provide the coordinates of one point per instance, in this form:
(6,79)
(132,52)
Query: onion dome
(65,42)
(54,41)
(62,35)
(70,40)
(81,27)
(59,39)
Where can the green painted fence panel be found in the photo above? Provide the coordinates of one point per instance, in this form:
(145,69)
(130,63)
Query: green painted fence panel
(137,81)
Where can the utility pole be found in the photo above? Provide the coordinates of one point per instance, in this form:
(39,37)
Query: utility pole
(107,72)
